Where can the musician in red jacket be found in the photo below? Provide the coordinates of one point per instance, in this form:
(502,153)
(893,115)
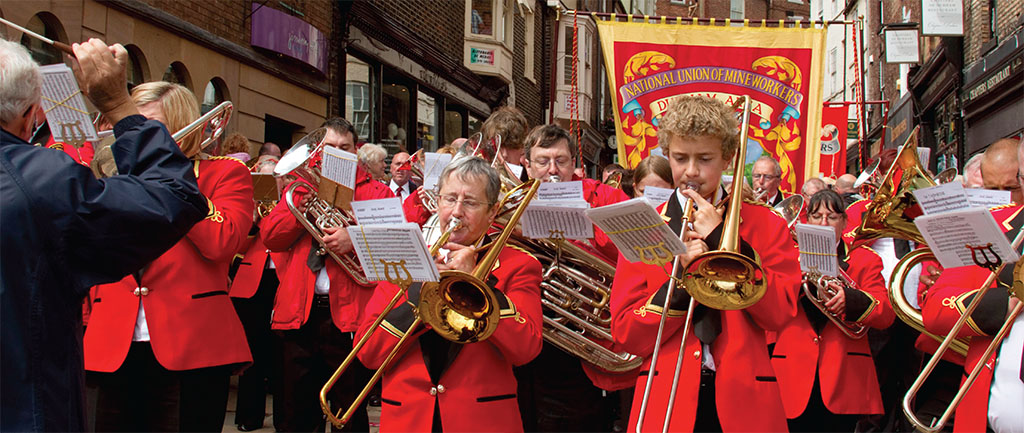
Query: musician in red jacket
(828,378)
(727,381)
(557,391)
(318,304)
(163,343)
(994,400)
(438,385)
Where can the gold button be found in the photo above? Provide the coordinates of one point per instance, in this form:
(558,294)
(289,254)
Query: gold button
(136,291)
(433,390)
(144,291)
(696,354)
(817,339)
(440,389)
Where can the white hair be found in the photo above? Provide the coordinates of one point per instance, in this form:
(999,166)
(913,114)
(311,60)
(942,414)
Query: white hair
(20,81)
(370,152)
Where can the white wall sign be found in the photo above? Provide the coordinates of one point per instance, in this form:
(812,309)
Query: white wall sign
(942,17)
(902,46)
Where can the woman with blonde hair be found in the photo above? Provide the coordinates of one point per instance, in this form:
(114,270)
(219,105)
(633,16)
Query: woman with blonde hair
(162,344)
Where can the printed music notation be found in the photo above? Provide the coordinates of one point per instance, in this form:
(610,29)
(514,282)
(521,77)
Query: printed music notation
(817,249)
(951,234)
(64,105)
(638,231)
(380,211)
(393,252)
(340,166)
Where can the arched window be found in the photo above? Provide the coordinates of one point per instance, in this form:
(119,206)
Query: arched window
(138,68)
(215,93)
(177,73)
(46,24)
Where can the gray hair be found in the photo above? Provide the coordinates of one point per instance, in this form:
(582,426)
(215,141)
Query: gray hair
(775,164)
(472,168)
(370,152)
(20,81)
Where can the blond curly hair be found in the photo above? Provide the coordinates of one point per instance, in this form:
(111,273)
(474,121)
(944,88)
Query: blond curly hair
(700,116)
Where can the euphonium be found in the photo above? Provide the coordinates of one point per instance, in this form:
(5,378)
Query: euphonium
(903,308)
(461,307)
(319,214)
(815,283)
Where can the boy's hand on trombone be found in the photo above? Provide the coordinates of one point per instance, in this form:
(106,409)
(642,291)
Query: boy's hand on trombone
(706,217)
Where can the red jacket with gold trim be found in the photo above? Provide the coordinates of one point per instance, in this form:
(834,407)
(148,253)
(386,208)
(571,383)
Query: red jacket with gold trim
(844,367)
(290,243)
(250,269)
(476,389)
(945,303)
(192,323)
(744,371)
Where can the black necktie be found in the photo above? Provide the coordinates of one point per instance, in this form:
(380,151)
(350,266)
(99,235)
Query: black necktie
(315,261)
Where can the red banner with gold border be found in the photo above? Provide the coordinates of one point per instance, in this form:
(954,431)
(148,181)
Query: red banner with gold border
(780,68)
(833,141)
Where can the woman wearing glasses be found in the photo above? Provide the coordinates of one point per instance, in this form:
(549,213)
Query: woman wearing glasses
(828,379)
(445,386)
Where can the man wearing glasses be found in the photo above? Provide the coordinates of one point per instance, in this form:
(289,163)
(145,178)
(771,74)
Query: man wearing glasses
(767,175)
(555,393)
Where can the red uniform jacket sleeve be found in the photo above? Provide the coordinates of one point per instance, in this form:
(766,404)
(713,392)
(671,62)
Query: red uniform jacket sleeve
(280,228)
(414,210)
(221,234)
(868,303)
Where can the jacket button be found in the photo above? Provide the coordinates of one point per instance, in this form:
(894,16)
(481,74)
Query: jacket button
(817,339)
(268,251)
(137,291)
(144,291)
(696,354)
(433,390)
(440,389)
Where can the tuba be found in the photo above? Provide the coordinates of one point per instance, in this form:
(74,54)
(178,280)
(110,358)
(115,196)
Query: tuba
(813,283)
(460,307)
(302,161)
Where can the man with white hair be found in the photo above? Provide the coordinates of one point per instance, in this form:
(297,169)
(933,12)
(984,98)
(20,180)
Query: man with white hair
(371,159)
(972,172)
(65,231)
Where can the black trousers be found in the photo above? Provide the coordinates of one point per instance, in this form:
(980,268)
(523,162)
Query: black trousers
(555,395)
(310,355)
(254,382)
(144,396)
(816,417)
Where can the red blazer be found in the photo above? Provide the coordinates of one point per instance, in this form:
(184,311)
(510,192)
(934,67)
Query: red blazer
(290,243)
(414,210)
(845,369)
(477,390)
(191,321)
(945,303)
(745,385)
(250,270)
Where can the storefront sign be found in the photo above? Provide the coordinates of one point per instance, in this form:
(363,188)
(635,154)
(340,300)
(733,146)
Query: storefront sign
(481,57)
(993,80)
(282,33)
(901,46)
(901,122)
(942,17)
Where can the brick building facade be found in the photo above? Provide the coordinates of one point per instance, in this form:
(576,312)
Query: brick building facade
(736,9)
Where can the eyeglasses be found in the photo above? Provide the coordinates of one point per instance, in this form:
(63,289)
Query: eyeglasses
(449,201)
(562,161)
(832,217)
(765,176)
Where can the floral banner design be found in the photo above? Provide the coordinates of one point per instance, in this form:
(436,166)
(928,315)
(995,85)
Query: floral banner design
(780,68)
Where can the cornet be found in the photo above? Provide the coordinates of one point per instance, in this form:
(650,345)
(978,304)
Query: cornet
(815,283)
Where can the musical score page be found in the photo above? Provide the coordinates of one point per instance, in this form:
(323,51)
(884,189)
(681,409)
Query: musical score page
(570,190)
(987,198)
(950,234)
(340,166)
(817,249)
(638,231)
(433,165)
(942,198)
(557,219)
(392,252)
(64,105)
(379,211)
(658,195)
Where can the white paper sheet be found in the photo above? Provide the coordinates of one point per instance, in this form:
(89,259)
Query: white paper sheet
(380,211)
(638,231)
(942,198)
(658,195)
(392,252)
(340,166)
(64,105)
(567,220)
(571,190)
(987,198)
(433,165)
(950,234)
(817,249)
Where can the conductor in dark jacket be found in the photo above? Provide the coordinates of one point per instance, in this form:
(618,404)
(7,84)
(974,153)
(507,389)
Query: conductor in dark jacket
(64,231)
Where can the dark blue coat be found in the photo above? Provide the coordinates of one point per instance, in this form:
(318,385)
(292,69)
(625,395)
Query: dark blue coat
(62,231)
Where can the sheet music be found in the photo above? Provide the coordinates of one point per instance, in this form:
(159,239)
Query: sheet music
(924,155)
(949,235)
(380,211)
(571,190)
(987,198)
(433,165)
(567,220)
(517,170)
(658,195)
(817,249)
(340,166)
(64,105)
(942,198)
(391,252)
(638,231)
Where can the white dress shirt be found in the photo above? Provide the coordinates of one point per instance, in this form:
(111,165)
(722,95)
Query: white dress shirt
(400,191)
(1007,390)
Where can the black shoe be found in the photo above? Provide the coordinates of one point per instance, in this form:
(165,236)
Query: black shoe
(248,427)
(374,400)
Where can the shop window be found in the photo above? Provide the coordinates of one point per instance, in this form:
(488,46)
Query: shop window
(394,117)
(452,125)
(489,37)
(474,124)
(177,73)
(215,93)
(737,9)
(426,122)
(47,25)
(482,17)
(358,95)
(137,66)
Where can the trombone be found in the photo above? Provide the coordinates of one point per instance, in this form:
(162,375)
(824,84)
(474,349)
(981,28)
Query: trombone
(460,307)
(723,279)
(1017,291)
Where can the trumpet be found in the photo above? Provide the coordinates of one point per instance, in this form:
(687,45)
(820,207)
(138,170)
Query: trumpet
(815,283)
(300,161)
(461,307)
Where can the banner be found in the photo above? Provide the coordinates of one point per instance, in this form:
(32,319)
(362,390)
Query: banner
(833,141)
(780,68)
